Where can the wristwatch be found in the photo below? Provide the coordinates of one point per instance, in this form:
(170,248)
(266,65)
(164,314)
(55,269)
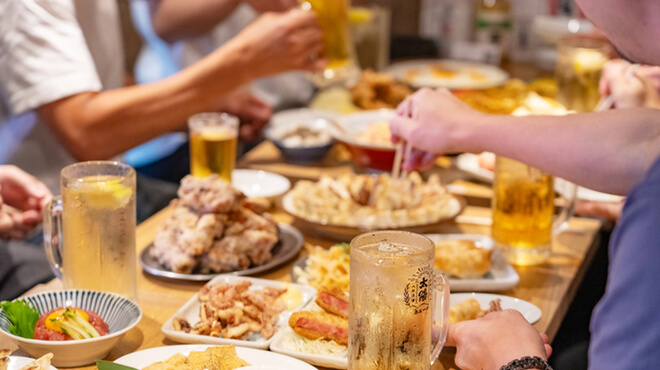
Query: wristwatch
(527,362)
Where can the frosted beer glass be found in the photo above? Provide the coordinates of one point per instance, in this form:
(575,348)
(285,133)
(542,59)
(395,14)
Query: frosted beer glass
(89,232)
(213,141)
(338,46)
(523,211)
(399,305)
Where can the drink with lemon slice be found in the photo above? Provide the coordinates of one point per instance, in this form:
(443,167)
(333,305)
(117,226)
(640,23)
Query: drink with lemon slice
(580,64)
(213,142)
(92,227)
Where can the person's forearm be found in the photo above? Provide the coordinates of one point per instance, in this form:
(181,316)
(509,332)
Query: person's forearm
(101,125)
(610,151)
(174,20)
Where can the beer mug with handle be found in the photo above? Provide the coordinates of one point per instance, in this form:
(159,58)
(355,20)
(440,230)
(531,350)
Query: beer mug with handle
(523,211)
(399,305)
(89,232)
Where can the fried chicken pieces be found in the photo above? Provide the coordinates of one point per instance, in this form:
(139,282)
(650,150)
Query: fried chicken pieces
(378,91)
(213,228)
(235,311)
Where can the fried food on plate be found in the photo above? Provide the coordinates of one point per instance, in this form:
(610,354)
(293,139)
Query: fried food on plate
(214,358)
(42,363)
(372,201)
(235,311)
(325,268)
(470,309)
(320,325)
(378,91)
(213,228)
(335,302)
(4,358)
(462,258)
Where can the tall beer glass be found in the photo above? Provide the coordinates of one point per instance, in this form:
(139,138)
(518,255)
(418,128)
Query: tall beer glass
(213,141)
(523,211)
(337,44)
(92,227)
(580,63)
(398,304)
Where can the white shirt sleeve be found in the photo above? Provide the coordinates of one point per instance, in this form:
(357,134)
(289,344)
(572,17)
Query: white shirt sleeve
(43,54)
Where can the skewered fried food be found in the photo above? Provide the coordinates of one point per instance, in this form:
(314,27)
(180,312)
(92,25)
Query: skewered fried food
(314,325)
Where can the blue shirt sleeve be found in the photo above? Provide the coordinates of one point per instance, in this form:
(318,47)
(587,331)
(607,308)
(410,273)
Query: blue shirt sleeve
(625,327)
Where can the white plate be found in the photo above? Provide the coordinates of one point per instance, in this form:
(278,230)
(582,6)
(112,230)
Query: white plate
(469,163)
(17,362)
(464,77)
(501,275)
(339,361)
(528,310)
(258,359)
(190,312)
(254,183)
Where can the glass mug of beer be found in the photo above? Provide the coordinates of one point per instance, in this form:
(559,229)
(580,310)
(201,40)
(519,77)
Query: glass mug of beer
(89,232)
(213,141)
(523,211)
(580,63)
(338,46)
(399,305)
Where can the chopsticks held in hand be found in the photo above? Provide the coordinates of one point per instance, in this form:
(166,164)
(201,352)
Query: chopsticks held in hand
(606,103)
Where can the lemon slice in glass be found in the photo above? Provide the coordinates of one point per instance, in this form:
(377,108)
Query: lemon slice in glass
(104,192)
(586,61)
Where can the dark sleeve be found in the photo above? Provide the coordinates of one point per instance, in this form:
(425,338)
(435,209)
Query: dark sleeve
(625,327)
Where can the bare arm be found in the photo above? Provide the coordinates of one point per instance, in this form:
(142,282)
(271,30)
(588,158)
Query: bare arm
(101,125)
(175,19)
(610,151)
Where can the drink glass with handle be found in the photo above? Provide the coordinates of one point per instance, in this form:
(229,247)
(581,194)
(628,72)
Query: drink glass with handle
(399,305)
(213,142)
(523,211)
(338,46)
(89,231)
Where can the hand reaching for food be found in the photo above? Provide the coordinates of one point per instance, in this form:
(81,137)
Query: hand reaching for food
(631,88)
(496,339)
(429,120)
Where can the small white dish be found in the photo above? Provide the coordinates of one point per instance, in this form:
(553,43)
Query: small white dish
(190,312)
(255,183)
(501,275)
(287,342)
(355,124)
(17,362)
(530,311)
(258,359)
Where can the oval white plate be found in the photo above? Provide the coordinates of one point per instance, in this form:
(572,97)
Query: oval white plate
(528,310)
(463,78)
(17,362)
(501,275)
(190,312)
(258,359)
(255,183)
(356,123)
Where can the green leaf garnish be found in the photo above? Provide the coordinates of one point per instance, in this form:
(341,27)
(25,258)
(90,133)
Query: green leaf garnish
(107,365)
(23,317)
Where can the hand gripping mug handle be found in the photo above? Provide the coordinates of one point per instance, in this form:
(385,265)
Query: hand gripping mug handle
(53,234)
(569,195)
(439,332)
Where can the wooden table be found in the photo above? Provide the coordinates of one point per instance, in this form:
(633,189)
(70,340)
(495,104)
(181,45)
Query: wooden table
(551,286)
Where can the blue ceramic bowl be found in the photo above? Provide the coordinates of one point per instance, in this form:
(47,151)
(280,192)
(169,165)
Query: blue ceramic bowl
(120,313)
